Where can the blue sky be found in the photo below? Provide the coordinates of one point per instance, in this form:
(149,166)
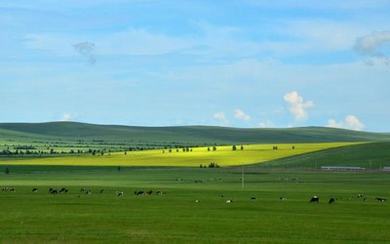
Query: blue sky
(247,63)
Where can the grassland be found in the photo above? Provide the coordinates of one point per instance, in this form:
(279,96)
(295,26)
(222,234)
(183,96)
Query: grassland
(125,136)
(223,156)
(368,155)
(176,218)
(193,208)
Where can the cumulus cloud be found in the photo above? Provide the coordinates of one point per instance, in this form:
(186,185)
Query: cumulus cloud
(297,105)
(241,115)
(220,117)
(371,46)
(86,49)
(350,122)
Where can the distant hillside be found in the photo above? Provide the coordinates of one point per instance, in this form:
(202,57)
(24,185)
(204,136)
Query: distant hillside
(180,134)
(370,155)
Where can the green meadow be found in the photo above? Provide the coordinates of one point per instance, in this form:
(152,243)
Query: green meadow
(259,194)
(193,208)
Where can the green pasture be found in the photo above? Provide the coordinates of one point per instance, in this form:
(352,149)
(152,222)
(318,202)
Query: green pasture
(223,156)
(176,217)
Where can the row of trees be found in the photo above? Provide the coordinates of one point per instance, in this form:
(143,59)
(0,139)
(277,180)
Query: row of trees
(210,165)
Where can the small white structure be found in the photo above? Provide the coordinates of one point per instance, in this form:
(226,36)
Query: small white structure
(387,169)
(342,168)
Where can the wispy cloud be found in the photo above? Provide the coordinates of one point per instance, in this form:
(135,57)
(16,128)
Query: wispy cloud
(241,115)
(266,124)
(221,118)
(86,49)
(370,46)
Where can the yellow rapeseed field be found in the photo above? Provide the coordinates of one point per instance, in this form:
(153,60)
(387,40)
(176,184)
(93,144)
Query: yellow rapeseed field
(223,156)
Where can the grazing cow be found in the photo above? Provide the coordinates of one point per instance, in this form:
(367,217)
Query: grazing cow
(82,189)
(381,199)
(8,189)
(282,198)
(332,200)
(315,199)
(149,192)
(360,196)
(88,192)
(229,201)
(35,190)
(54,192)
(196,201)
(119,194)
(101,191)
(140,193)
(63,190)
(253,198)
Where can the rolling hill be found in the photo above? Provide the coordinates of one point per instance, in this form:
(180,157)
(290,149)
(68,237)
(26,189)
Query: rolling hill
(71,131)
(368,155)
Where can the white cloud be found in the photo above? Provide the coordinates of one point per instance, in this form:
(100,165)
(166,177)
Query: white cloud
(266,124)
(67,117)
(350,122)
(297,105)
(220,117)
(370,46)
(241,115)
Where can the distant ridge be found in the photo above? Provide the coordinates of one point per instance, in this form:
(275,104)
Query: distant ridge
(182,134)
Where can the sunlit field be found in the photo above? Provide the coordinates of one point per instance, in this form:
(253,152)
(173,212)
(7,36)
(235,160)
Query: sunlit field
(223,156)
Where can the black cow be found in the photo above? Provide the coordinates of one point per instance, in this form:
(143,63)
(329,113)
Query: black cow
(332,200)
(139,193)
(381,199)
(35,190)
(253,198)
(315,199)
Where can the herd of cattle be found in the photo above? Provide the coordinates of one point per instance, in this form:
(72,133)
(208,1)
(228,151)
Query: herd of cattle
(63,190)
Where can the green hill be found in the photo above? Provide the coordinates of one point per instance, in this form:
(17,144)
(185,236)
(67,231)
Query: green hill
(370,155)
(71,131)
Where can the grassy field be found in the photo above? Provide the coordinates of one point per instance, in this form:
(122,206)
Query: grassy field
(114,136)
(367,155)
(223,156)
(193,208)
(176,218)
